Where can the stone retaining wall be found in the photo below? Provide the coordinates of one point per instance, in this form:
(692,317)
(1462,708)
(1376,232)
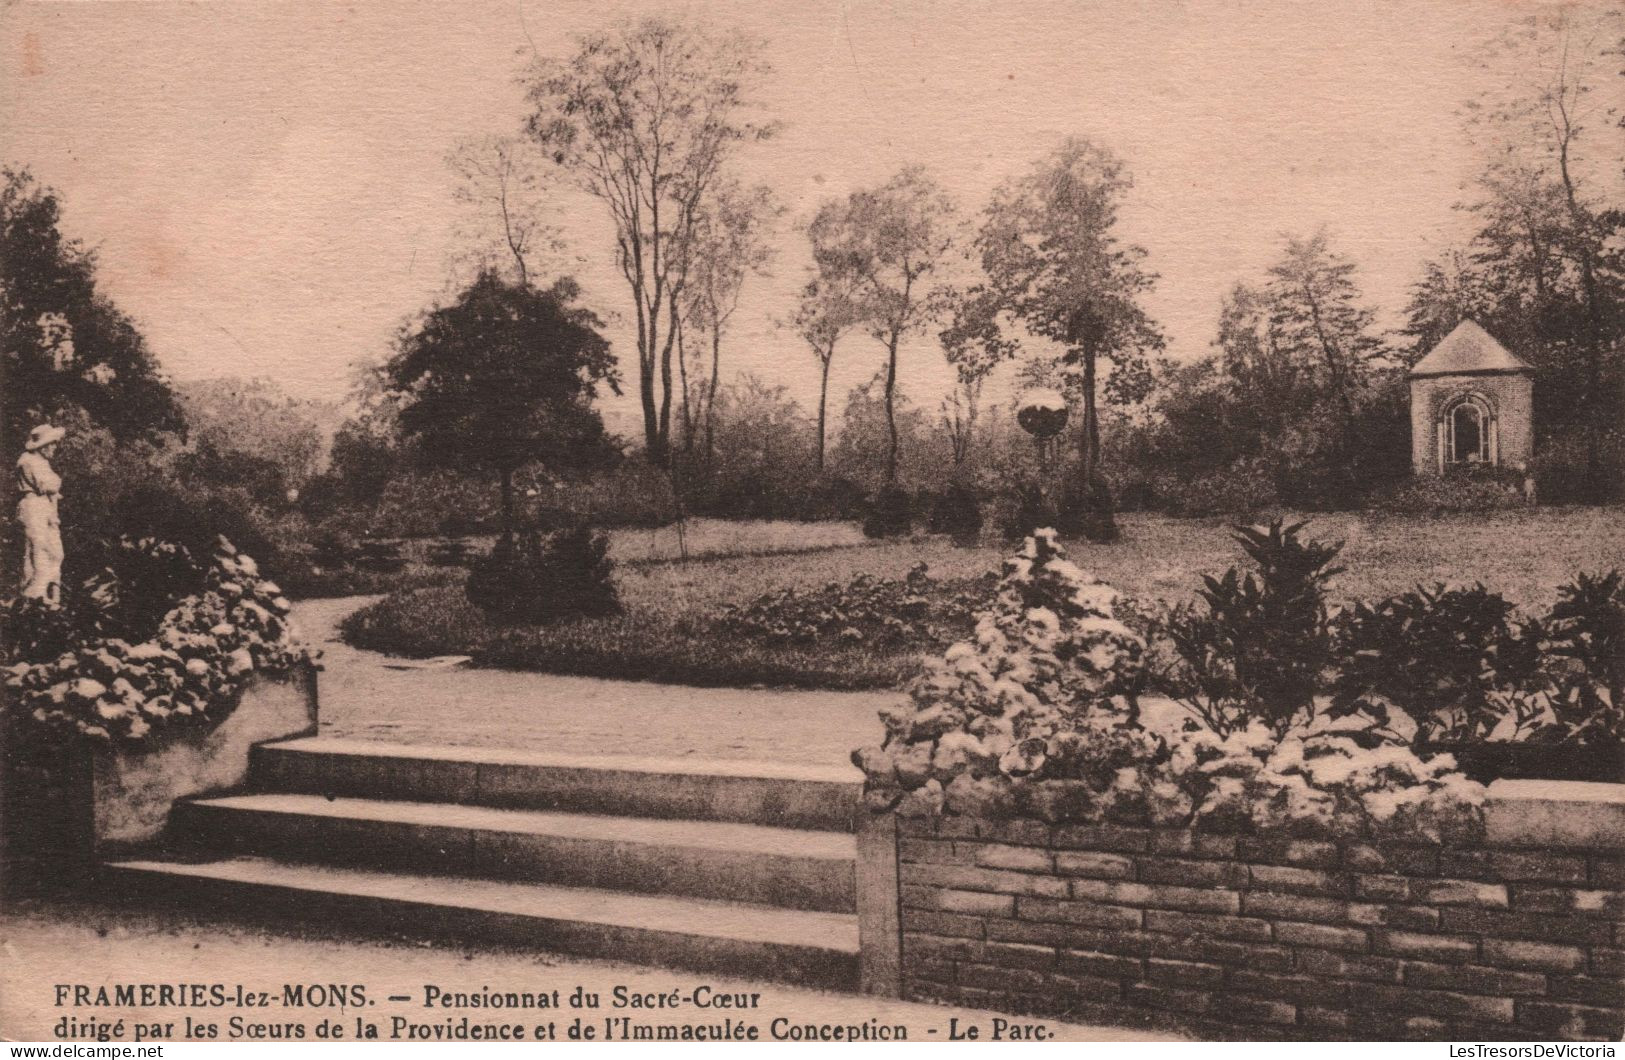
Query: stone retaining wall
(1521,936)
(64,804)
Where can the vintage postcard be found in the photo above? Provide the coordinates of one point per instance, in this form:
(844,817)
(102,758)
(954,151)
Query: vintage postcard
(836,521)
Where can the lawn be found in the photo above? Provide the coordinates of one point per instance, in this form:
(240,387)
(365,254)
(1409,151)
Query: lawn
(667,632)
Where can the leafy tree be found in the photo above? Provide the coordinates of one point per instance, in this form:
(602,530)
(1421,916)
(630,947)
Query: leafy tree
(867,423)
(887,245)
(828,309)
(66,346)
(730,242)
(1057,271)
(1297,402)
(503,376)
(1317,323)
(1543,268)
(643,118)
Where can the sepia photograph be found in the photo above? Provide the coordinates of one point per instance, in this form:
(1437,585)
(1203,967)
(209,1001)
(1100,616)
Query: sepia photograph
(835,521)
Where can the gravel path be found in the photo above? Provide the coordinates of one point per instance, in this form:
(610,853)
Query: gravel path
(367,695)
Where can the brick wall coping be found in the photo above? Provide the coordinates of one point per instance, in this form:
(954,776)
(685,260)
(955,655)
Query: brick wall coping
(1557,813)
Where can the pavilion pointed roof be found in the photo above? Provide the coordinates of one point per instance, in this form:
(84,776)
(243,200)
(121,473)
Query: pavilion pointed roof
(1469,350)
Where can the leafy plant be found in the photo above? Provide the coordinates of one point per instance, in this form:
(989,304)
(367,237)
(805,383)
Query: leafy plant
(1451,660)
(889,613)
(1044,691)
(140,582)
(205,648)
(528,580)
(1036,717)
(1257,646)
(1587,628)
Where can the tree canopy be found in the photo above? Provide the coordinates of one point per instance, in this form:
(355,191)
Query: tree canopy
(1056,270)
(884,249)
(67,347)
(644,118)
(503,376)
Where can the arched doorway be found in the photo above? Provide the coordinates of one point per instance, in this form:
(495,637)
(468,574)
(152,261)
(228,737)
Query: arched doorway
(1468,431)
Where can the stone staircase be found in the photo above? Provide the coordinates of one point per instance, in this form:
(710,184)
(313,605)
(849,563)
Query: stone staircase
(739,867)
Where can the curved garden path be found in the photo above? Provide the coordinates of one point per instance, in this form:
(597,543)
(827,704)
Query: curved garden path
(366,695)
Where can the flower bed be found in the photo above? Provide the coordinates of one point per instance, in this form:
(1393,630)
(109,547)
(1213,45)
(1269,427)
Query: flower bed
(916,611)
(104,688)
(1266,870)
(1037,717)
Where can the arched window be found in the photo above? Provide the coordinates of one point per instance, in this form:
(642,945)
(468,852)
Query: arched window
(1468,431)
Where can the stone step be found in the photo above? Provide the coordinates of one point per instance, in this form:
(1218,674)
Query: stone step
(815,949)
(767,793)
(796,869)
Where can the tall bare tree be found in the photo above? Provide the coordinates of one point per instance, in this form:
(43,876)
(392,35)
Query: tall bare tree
(644,117)
(888,245)
(506,188)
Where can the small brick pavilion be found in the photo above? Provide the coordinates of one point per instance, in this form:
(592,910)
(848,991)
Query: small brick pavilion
(1471,403)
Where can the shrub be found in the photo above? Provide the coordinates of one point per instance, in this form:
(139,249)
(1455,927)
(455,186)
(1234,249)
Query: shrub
(958,513)
(108,689)
(891,514)
(1474,488)
(1451,661)
(1243,488)
(140,581)
(528,580)
(1086,510)
(832,497)
(1564,471)
(1587,628)
(1031,696)
(1257,645)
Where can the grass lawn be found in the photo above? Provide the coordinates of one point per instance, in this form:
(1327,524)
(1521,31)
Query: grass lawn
(666,634)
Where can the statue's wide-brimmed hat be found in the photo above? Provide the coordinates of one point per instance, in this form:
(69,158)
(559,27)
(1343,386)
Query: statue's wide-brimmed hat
(43,435)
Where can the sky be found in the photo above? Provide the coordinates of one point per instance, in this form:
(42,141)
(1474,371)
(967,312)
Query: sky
(267,190)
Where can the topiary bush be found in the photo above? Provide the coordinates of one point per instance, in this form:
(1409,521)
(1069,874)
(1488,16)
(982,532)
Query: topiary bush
(957,513)
(891,514)
(531,580)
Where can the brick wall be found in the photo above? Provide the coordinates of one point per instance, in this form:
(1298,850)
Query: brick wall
(1254,937)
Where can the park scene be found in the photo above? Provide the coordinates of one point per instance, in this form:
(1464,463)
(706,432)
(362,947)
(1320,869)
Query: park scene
(830,507)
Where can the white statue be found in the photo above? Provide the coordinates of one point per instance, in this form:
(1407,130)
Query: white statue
(40,487)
